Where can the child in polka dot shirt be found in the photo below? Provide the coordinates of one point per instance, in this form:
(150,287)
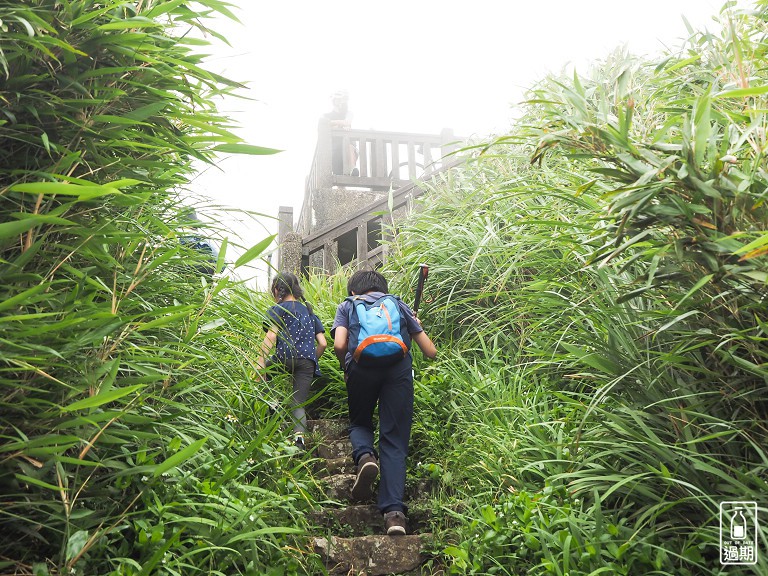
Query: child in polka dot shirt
(298,337)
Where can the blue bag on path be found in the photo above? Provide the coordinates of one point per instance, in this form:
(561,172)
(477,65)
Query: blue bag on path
(374,331)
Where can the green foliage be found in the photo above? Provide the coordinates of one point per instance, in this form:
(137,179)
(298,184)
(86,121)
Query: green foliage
(597,292)
(135,436)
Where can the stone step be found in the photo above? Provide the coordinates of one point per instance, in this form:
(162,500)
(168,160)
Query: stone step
(329,429)
(358,545)
(364,519)
(333,449)
(339,487)
(329,439)
(372,555)
(331,466)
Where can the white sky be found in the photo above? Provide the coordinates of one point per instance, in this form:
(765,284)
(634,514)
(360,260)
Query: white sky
(409,65)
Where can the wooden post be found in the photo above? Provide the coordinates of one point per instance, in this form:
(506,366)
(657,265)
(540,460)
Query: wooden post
(323,155)
(362,244)
(285,222)
(447,142)
(329,257)
(284,228)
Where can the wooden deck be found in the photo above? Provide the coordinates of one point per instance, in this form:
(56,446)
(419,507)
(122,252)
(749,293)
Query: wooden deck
(340,221)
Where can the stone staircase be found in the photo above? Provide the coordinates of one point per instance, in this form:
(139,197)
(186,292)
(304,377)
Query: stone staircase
(354,542)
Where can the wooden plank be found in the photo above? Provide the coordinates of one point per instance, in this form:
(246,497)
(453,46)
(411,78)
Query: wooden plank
(412,174)
(362,242)
(400,197)
(381,158)
(363,152)
(311,242)
(394,171)
(329,260)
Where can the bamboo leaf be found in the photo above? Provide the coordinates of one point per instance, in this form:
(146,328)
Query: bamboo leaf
(702,128)
(130,23)
(179,458)
(235,148)
(102,398)
(9,229)
(754,245)
(23,296)
(75,544)
(677,319)
(696,288)
(36,482)
(65,189)
(270,530)
(592,359)
(743,92)
(255,251)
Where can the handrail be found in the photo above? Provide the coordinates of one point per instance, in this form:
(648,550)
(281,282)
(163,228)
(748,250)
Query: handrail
(317,240)
(385,160)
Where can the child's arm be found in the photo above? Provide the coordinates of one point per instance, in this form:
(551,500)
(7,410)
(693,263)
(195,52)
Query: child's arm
(425,344)
(340,344)
(322,343)
(266,348)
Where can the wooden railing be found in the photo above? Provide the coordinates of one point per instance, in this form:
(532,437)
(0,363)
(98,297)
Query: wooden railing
(363,225)
(385,160)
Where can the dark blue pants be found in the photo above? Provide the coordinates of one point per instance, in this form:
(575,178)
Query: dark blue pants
(392,389)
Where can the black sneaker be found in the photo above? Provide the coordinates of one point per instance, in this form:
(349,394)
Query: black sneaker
(367,470)
(394,523)
(299,442)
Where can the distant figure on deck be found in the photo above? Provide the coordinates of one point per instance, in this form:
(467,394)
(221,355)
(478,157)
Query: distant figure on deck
(341,117)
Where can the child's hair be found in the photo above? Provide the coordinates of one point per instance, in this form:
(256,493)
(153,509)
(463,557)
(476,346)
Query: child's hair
(364,281)
(286,283)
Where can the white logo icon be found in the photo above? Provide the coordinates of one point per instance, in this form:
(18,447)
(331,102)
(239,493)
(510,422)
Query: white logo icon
(738,533)
(738,525)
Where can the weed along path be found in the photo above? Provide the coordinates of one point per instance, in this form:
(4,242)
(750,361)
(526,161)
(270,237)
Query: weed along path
(352,540)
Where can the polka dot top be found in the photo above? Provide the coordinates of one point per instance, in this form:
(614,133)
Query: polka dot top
(296,331)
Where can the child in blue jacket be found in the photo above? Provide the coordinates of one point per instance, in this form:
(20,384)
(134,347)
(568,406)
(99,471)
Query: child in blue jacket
(389,386)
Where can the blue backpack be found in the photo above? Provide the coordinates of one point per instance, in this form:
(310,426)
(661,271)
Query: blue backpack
(374,331)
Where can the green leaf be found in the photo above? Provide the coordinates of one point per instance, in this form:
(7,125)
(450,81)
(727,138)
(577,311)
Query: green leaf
(593,359)
(179,457)
(703,128)
(677,319)
(102,398)
(164,8)
(255,251)
(696,287)
(36,482)
(9,229)
(75,544)
(235,148)
(130,23)
(263,532)
(755,244)
(743,92)
(23,296)
(212,325)
(66,189)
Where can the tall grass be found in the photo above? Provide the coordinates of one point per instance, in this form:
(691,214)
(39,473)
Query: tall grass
(599,280)
(135,436)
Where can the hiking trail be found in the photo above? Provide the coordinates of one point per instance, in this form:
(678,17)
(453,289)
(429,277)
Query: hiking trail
(354,542)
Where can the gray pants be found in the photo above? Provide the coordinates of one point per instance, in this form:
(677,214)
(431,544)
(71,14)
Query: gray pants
(302,371)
